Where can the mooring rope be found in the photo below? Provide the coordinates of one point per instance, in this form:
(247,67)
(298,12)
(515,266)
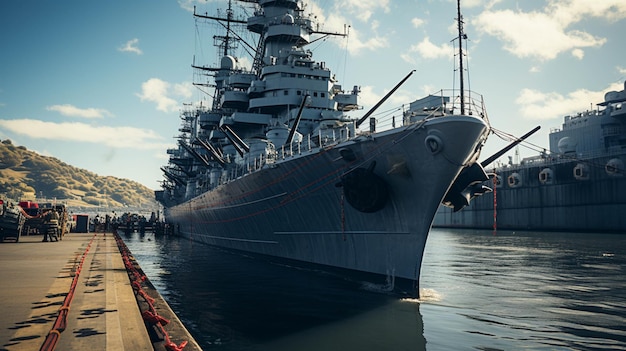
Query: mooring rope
(60,324)
(150,316)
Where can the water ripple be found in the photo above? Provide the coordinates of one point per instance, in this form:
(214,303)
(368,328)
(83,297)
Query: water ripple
(510,291)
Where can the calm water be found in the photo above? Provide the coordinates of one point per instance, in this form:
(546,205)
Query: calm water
(510,291)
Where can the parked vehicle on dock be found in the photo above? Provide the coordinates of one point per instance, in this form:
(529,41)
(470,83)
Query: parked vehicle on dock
(11,222)
(35,222)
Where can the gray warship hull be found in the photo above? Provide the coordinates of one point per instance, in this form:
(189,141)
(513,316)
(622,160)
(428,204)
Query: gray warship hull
(576,186)
(295,209)
(276,166)
(594,203)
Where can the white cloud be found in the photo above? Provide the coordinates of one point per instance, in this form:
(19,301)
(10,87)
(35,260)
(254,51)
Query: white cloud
(368,97)
(472,3)
(73,111)
(546,33)
(572,11)
(362,9)
(427,50)
(189,4)
(537,105)
(183,90)
(373,43)
(578,53)
(158,91)
(130,46)
(114,137)
(533,34)
(392,109)
(417,22)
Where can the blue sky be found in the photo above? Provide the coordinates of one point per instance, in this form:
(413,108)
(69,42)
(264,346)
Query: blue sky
(100,85)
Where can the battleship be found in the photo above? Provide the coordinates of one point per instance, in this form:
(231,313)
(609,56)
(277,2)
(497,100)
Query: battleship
(277,167)
(577,185)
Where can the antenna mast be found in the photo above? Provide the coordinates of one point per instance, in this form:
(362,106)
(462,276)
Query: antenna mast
(461,37)
(229,16)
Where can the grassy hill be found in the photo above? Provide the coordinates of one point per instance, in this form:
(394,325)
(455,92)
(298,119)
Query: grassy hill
(26,175)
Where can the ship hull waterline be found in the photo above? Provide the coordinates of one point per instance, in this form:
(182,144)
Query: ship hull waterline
(296,210)
(591,205)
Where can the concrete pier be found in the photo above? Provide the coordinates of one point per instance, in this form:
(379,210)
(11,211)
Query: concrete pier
(104,313)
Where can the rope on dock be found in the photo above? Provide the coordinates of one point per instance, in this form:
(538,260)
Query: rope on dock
(60,323)
(150,315)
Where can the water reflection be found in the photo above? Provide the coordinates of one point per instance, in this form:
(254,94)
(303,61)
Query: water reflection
(480,291)
(555,290)
(235,302)
(396,325)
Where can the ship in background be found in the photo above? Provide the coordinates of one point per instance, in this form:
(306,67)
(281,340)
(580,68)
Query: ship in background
(578,185)
(276,166)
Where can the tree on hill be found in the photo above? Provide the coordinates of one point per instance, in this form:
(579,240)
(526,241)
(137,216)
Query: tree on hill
(9,156)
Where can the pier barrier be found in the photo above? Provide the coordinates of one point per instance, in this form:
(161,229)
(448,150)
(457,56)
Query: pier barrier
(154,320)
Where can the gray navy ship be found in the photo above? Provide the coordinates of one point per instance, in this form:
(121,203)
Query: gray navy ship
(578,185)
(277,167)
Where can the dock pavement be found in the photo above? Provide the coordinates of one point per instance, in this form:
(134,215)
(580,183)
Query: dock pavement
(104,311)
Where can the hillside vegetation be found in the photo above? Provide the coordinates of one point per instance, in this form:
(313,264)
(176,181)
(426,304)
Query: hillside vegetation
(26,175)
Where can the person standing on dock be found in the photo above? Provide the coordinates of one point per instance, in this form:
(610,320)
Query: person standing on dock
(51,223)
(107,222)
(96,223)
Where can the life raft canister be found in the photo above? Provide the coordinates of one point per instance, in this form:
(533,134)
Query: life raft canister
(615,167)
(514,180)
(581,172)
(546,176)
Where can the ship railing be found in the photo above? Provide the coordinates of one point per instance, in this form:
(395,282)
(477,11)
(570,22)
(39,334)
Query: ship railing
(333,137)
(449,103)
(612,151)
(307,145)
(548,159)
(473,102)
